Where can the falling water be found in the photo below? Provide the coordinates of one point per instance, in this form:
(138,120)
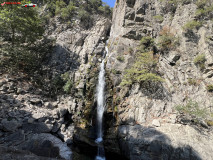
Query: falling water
(100,109)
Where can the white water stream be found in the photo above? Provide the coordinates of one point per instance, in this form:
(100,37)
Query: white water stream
(100,109)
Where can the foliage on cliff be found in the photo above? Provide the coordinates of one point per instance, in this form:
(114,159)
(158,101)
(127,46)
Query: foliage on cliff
(167,39)
(192,109)
(81,9)
(144,69)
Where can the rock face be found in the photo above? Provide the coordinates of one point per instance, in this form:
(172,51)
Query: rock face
(138,124)
(148,125)
(34,121)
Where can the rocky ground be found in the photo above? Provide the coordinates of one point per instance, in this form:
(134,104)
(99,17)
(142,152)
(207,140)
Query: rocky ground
(31,122)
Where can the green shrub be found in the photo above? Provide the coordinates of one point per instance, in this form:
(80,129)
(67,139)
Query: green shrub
(67,87)
(105,9)
(158,18)
(51,6)
(57,83)
(121,58)
(83,15)
(130,50)
(114,71)
(95,4)
(192,25)
(65,76)
(59,6)
(146,43)
(204,12)
(65,13)
(200,61)
(202,3)
(67,82)
(167,40)
(142,71)
(192,109)
(210,88)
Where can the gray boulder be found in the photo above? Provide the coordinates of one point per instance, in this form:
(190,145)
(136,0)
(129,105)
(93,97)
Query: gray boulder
(10,126)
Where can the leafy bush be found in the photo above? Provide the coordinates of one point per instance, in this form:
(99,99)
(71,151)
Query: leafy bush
(120,58)
(59,6)
(65,13)
(67,87)
(200,61)
(51,7)
(204,12)
(210,88)
(95,4)
(105,9)
(142,71)
(146,43)
(83,15)
(67,82)
(167,40)
(192,109)
(56,84)
(192,25)
(202,3)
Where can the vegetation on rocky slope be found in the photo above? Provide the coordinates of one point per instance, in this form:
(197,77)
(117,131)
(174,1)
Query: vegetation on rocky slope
(81,9)
(145,66)
(200,61)
(192,109)
(167,40)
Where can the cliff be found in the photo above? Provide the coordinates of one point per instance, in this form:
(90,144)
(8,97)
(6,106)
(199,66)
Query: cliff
(158,86)
(149,121)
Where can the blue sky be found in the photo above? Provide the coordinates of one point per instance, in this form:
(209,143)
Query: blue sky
(111,3)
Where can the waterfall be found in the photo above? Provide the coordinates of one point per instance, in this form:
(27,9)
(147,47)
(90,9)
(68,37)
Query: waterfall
(100,109)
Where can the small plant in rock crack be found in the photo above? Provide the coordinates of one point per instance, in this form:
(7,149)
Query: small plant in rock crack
(192,25)
(167,39)
(158,18)
(121,58)
(210,88)
(192,109)
(68,83)
(200,61)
